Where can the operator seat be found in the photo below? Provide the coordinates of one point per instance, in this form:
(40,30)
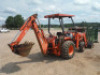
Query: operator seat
(59,34)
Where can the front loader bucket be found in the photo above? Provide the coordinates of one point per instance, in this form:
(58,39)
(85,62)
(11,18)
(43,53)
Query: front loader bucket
(23,49)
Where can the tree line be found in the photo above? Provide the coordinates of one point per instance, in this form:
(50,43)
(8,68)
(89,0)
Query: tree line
(81,24)
(17,21)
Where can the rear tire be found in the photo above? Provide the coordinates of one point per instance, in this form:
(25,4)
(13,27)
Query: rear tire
(67,50)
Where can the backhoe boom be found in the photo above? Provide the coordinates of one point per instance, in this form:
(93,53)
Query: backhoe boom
(31,23)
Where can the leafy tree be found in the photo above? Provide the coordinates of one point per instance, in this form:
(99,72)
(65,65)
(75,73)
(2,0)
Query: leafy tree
(14,22)
(18,21)
(10,22)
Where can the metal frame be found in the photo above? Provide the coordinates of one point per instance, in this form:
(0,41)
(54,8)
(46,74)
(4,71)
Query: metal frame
(72,21)
(61,24)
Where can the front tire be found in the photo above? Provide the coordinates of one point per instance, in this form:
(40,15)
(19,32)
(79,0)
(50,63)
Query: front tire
(90,44)
(81,47)
(67,50)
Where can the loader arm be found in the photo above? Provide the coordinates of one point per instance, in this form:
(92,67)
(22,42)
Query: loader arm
(30,23)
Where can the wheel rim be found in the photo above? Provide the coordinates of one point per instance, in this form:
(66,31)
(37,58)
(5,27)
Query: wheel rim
(71,50)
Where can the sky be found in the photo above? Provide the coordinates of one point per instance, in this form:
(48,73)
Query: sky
(84,10)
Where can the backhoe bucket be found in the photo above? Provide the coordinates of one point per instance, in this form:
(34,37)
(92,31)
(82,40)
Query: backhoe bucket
(23,49)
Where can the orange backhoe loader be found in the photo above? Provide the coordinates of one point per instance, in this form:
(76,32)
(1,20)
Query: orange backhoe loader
(63,44)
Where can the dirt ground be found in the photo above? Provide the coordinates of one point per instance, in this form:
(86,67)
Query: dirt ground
(87,63)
